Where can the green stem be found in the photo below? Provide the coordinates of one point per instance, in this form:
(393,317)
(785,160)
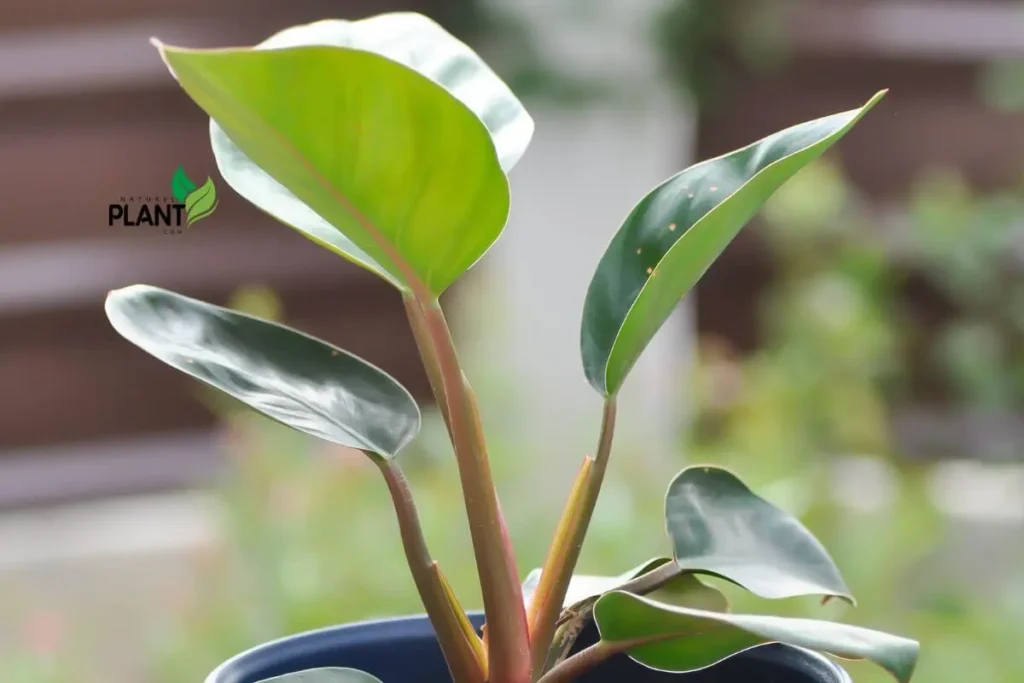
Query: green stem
(508,641)
(461,653)
(565,549)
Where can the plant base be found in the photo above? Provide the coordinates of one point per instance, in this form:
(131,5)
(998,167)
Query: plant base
(404,650)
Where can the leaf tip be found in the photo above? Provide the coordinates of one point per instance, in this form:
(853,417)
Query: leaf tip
(876,98)
(705,470)
(163,49)
(114,293)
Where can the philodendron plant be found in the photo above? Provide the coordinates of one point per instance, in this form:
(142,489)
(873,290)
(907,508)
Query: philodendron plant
(388,142)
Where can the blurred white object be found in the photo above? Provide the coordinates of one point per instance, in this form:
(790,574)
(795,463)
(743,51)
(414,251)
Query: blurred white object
(585,170)
(979,492)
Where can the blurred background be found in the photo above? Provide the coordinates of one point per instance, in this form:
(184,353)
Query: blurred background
(857,355)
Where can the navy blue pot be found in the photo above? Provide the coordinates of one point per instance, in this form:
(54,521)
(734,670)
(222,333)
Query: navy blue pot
(404,651)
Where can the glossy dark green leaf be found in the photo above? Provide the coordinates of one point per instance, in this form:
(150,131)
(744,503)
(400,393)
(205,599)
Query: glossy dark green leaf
(680,639)
(675,233)
(719,526)
(326,675)
(289,376)
(404,175)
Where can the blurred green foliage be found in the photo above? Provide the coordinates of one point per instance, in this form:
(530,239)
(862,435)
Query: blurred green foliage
(969,250)
(1001,85)
(807,417)
(508,41)
(701,43)
(44,650)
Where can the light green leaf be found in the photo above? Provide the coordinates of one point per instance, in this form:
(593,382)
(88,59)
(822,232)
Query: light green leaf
(410,176)
(676,232)
(686,590)
(326,675)
(424,46)
(719,526)
(584,591)
(407,38)
(201,202)
(284,374)
(680,639)
(586,586)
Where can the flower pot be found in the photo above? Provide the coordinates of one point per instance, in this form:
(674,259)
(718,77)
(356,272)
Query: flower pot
(404,650)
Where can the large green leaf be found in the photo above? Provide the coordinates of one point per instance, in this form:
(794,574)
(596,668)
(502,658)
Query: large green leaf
(719,526)
(289,376)
(407,38)
(674,234)
(391,161)
(676,638)
(327,675)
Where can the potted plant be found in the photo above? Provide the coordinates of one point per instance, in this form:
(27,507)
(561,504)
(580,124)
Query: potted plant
(388,142)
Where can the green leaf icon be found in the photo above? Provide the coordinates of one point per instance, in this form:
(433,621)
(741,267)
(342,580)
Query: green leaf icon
(181,186)
(201,203)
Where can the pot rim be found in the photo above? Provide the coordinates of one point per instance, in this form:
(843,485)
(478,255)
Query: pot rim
(407,621)
(413,623)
